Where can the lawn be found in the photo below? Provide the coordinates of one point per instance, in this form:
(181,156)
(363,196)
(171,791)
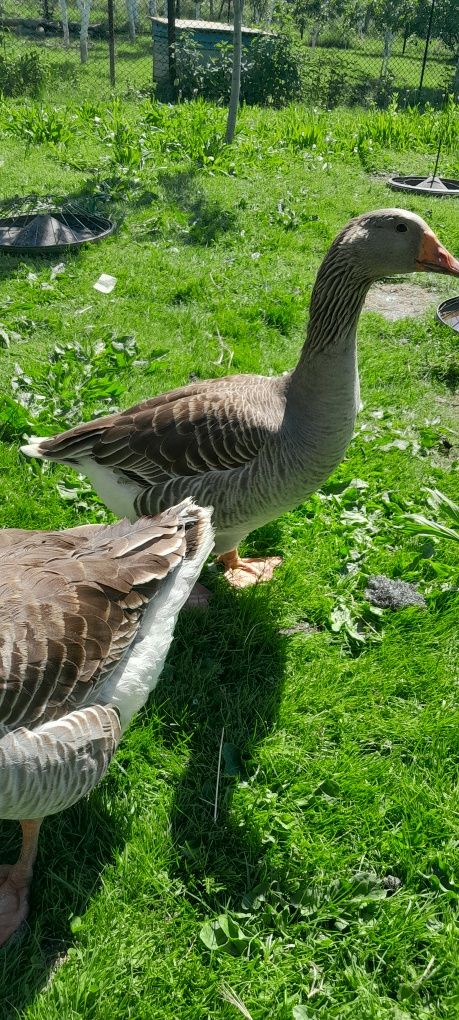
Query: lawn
(318,877)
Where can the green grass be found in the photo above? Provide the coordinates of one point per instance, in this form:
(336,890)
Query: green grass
(66,76)
(328,883)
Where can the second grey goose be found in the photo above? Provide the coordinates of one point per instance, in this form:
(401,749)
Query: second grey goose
(87,616)
(250,446)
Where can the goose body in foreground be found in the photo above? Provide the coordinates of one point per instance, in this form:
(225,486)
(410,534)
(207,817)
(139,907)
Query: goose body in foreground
(87,617)
(254,447)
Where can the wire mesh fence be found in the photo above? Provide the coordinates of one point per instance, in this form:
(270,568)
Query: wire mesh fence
(78,49)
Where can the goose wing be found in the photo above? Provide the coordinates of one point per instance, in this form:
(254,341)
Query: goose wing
(71,604)
(216,425)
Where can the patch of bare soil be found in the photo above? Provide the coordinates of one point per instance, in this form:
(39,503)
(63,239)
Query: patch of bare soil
(399,300)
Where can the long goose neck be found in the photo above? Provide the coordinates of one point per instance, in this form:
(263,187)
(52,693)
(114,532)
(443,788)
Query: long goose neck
(336,303)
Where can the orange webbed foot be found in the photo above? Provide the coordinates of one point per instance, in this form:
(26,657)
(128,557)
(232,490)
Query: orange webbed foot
(14,901)
(243,572)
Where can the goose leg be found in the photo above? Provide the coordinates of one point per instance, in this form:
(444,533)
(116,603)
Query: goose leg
(243,572)
(15,881)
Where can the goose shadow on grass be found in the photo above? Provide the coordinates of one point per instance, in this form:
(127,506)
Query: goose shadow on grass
(226,678)
(208,218)
(74,849)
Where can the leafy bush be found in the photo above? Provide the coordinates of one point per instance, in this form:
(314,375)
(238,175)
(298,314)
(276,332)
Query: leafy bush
(270,71)
(78,380)
(337,36)
(23,75)
(273,74)
(38,125)
(190,69)
(333,81)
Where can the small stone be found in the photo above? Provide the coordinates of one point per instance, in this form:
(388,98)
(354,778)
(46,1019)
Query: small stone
(386,593)
(391,883)
(303,627)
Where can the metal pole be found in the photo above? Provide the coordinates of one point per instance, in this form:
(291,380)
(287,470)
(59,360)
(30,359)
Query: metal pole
(437,159)
(111,41)
(424,59)
(236,74)
(171,43)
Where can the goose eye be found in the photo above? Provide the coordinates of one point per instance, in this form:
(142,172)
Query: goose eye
(401,227)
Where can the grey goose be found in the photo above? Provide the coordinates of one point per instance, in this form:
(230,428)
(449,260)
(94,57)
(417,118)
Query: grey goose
(254,447)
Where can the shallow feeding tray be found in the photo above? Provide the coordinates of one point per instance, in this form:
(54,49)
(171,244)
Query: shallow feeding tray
(448,313)
(442,187)
(43,231)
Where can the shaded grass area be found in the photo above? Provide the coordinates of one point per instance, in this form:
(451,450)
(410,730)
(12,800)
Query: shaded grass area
(332,860)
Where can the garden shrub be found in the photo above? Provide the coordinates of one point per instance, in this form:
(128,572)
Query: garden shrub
(337,36)
(330,82)
(368,91)
(270,72)
(275,72)
(23,75)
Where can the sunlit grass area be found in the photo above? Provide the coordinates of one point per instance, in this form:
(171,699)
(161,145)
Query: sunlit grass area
(317,878)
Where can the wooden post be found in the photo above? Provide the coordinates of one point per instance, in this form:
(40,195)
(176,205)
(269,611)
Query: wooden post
(236,75)
(65,22)
(85,11)
(111,41)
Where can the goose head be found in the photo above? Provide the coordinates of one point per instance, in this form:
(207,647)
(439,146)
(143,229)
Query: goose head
(391,241)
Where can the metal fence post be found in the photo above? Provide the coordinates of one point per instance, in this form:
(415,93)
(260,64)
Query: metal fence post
(111,41)
(236,73)
(426,47)
(171,43)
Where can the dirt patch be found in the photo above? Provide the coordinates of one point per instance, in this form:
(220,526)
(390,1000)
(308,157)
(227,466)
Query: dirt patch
(399,300)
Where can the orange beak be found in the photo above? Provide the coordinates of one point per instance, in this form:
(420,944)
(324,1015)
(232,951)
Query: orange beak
(433,258)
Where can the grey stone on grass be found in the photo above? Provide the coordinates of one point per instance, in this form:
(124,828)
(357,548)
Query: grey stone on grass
(387,593)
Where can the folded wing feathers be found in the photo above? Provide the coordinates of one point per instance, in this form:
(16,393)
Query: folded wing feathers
(205,427)
(70,610)
(46,770)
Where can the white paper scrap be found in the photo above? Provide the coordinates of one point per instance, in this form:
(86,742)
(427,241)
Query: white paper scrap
(105,283)
(57,270)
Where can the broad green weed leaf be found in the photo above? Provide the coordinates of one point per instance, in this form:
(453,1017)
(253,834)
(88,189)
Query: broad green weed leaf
(301,1013)
(225,935)
(212,936)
